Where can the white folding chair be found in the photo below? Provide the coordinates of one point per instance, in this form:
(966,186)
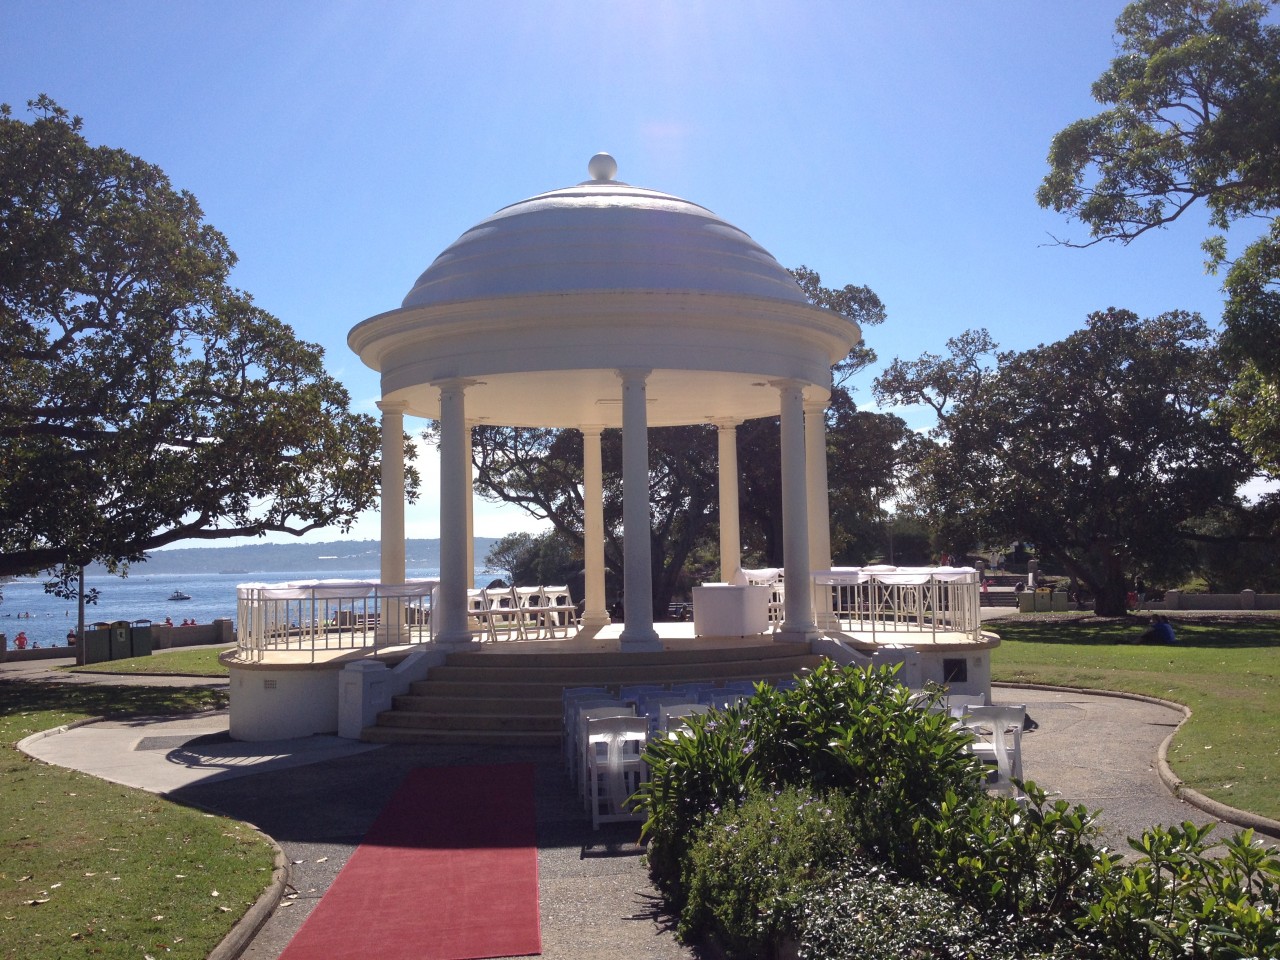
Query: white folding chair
(722,698)
(636,692)
(583,749)
(500,615)
(615,766)
(526,602)
(673,716)
(998,740)
(570,699)
(651,706)
(558,611)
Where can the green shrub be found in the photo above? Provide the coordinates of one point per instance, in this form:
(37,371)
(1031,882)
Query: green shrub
(869,915)
(842,728)
(1186,897)
(1030,861)
(750,864)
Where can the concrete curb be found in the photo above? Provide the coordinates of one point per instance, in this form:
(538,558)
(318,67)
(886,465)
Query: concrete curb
(246,928)
(1224,813)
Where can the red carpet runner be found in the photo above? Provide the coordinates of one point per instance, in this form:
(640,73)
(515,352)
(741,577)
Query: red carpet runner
(448,871)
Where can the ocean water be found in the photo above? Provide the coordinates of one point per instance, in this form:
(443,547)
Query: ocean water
(46,619)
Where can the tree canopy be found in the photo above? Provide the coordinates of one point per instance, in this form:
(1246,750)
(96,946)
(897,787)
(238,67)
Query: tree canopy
(1100,449)
(146,400)
(1193,117)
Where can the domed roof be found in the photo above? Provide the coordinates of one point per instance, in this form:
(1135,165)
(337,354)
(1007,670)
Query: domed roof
(538,308)
(602,235)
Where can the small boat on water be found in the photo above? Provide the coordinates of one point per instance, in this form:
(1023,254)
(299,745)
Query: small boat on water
(179,595)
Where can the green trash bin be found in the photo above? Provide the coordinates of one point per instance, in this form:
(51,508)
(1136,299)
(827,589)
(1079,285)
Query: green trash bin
(140,640)
(121,648)
(96,646)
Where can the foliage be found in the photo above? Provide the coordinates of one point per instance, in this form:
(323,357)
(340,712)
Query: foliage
(146,400)
(841,728)
(94,869)
(533,560)
(1187,898)
(1191,103)
(1029,861)
(872,915)
(751,864)
(1100,448)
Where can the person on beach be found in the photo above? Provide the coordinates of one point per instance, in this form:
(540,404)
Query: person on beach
(20,641)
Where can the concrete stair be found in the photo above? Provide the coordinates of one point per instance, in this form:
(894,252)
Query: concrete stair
(516,698)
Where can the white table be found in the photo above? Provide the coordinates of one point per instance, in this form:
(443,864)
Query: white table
(730,610)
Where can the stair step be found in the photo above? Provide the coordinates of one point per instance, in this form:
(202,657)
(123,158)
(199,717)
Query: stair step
(592,675)
(505,738)
(515,699)
(443,701)
(470,721)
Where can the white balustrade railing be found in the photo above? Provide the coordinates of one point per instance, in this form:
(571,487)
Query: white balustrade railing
(885,599)
(316,616)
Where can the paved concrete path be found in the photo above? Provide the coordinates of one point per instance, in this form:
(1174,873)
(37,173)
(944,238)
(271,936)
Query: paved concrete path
(317,797)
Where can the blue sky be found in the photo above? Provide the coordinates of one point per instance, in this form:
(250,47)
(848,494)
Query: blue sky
(340,146)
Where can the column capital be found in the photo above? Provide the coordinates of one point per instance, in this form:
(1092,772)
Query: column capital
(454,384)
(591,429)
(816,404)
(725,423)
(787,385)
(631,374)
(393,406)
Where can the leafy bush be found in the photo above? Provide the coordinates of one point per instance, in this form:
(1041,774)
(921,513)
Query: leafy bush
(1188,898)
(1030,861)
(750,864)
(869,915)
(841,728)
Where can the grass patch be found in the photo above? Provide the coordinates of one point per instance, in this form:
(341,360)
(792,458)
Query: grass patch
(96,870)
(1225,668)
(180,663)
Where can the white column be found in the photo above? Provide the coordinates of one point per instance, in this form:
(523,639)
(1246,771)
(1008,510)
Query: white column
(594,614)
(730,520)
(391,550)
(815,449)
(451,625)
(637,573)
(471,511)
(797,612)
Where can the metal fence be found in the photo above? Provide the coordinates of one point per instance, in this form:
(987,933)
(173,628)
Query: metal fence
(899,599)
(316,616)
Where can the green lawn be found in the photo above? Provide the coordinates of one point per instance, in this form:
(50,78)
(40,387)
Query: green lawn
(200,662)
(1225,668)
(95,870)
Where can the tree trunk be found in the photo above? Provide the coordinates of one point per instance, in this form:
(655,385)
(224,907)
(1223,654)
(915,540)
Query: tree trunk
(1111,599)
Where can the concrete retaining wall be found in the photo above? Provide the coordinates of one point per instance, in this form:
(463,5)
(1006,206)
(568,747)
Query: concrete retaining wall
(1244,600)
(162,638)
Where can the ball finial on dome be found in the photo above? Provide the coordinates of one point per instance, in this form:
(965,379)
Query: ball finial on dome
(602,167)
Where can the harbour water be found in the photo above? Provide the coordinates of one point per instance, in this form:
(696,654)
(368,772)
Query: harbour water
(46,619)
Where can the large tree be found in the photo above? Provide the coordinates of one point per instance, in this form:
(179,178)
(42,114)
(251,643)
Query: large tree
(1193,117)
(541,471)
(1100,449)
(145,400)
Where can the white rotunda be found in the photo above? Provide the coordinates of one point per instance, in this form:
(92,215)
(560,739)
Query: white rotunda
(604,305)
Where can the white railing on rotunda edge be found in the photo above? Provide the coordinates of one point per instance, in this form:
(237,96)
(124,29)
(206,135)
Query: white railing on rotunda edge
(318,616)
(885,599)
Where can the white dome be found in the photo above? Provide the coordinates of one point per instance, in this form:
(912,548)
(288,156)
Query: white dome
(602,235)
(538,307)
